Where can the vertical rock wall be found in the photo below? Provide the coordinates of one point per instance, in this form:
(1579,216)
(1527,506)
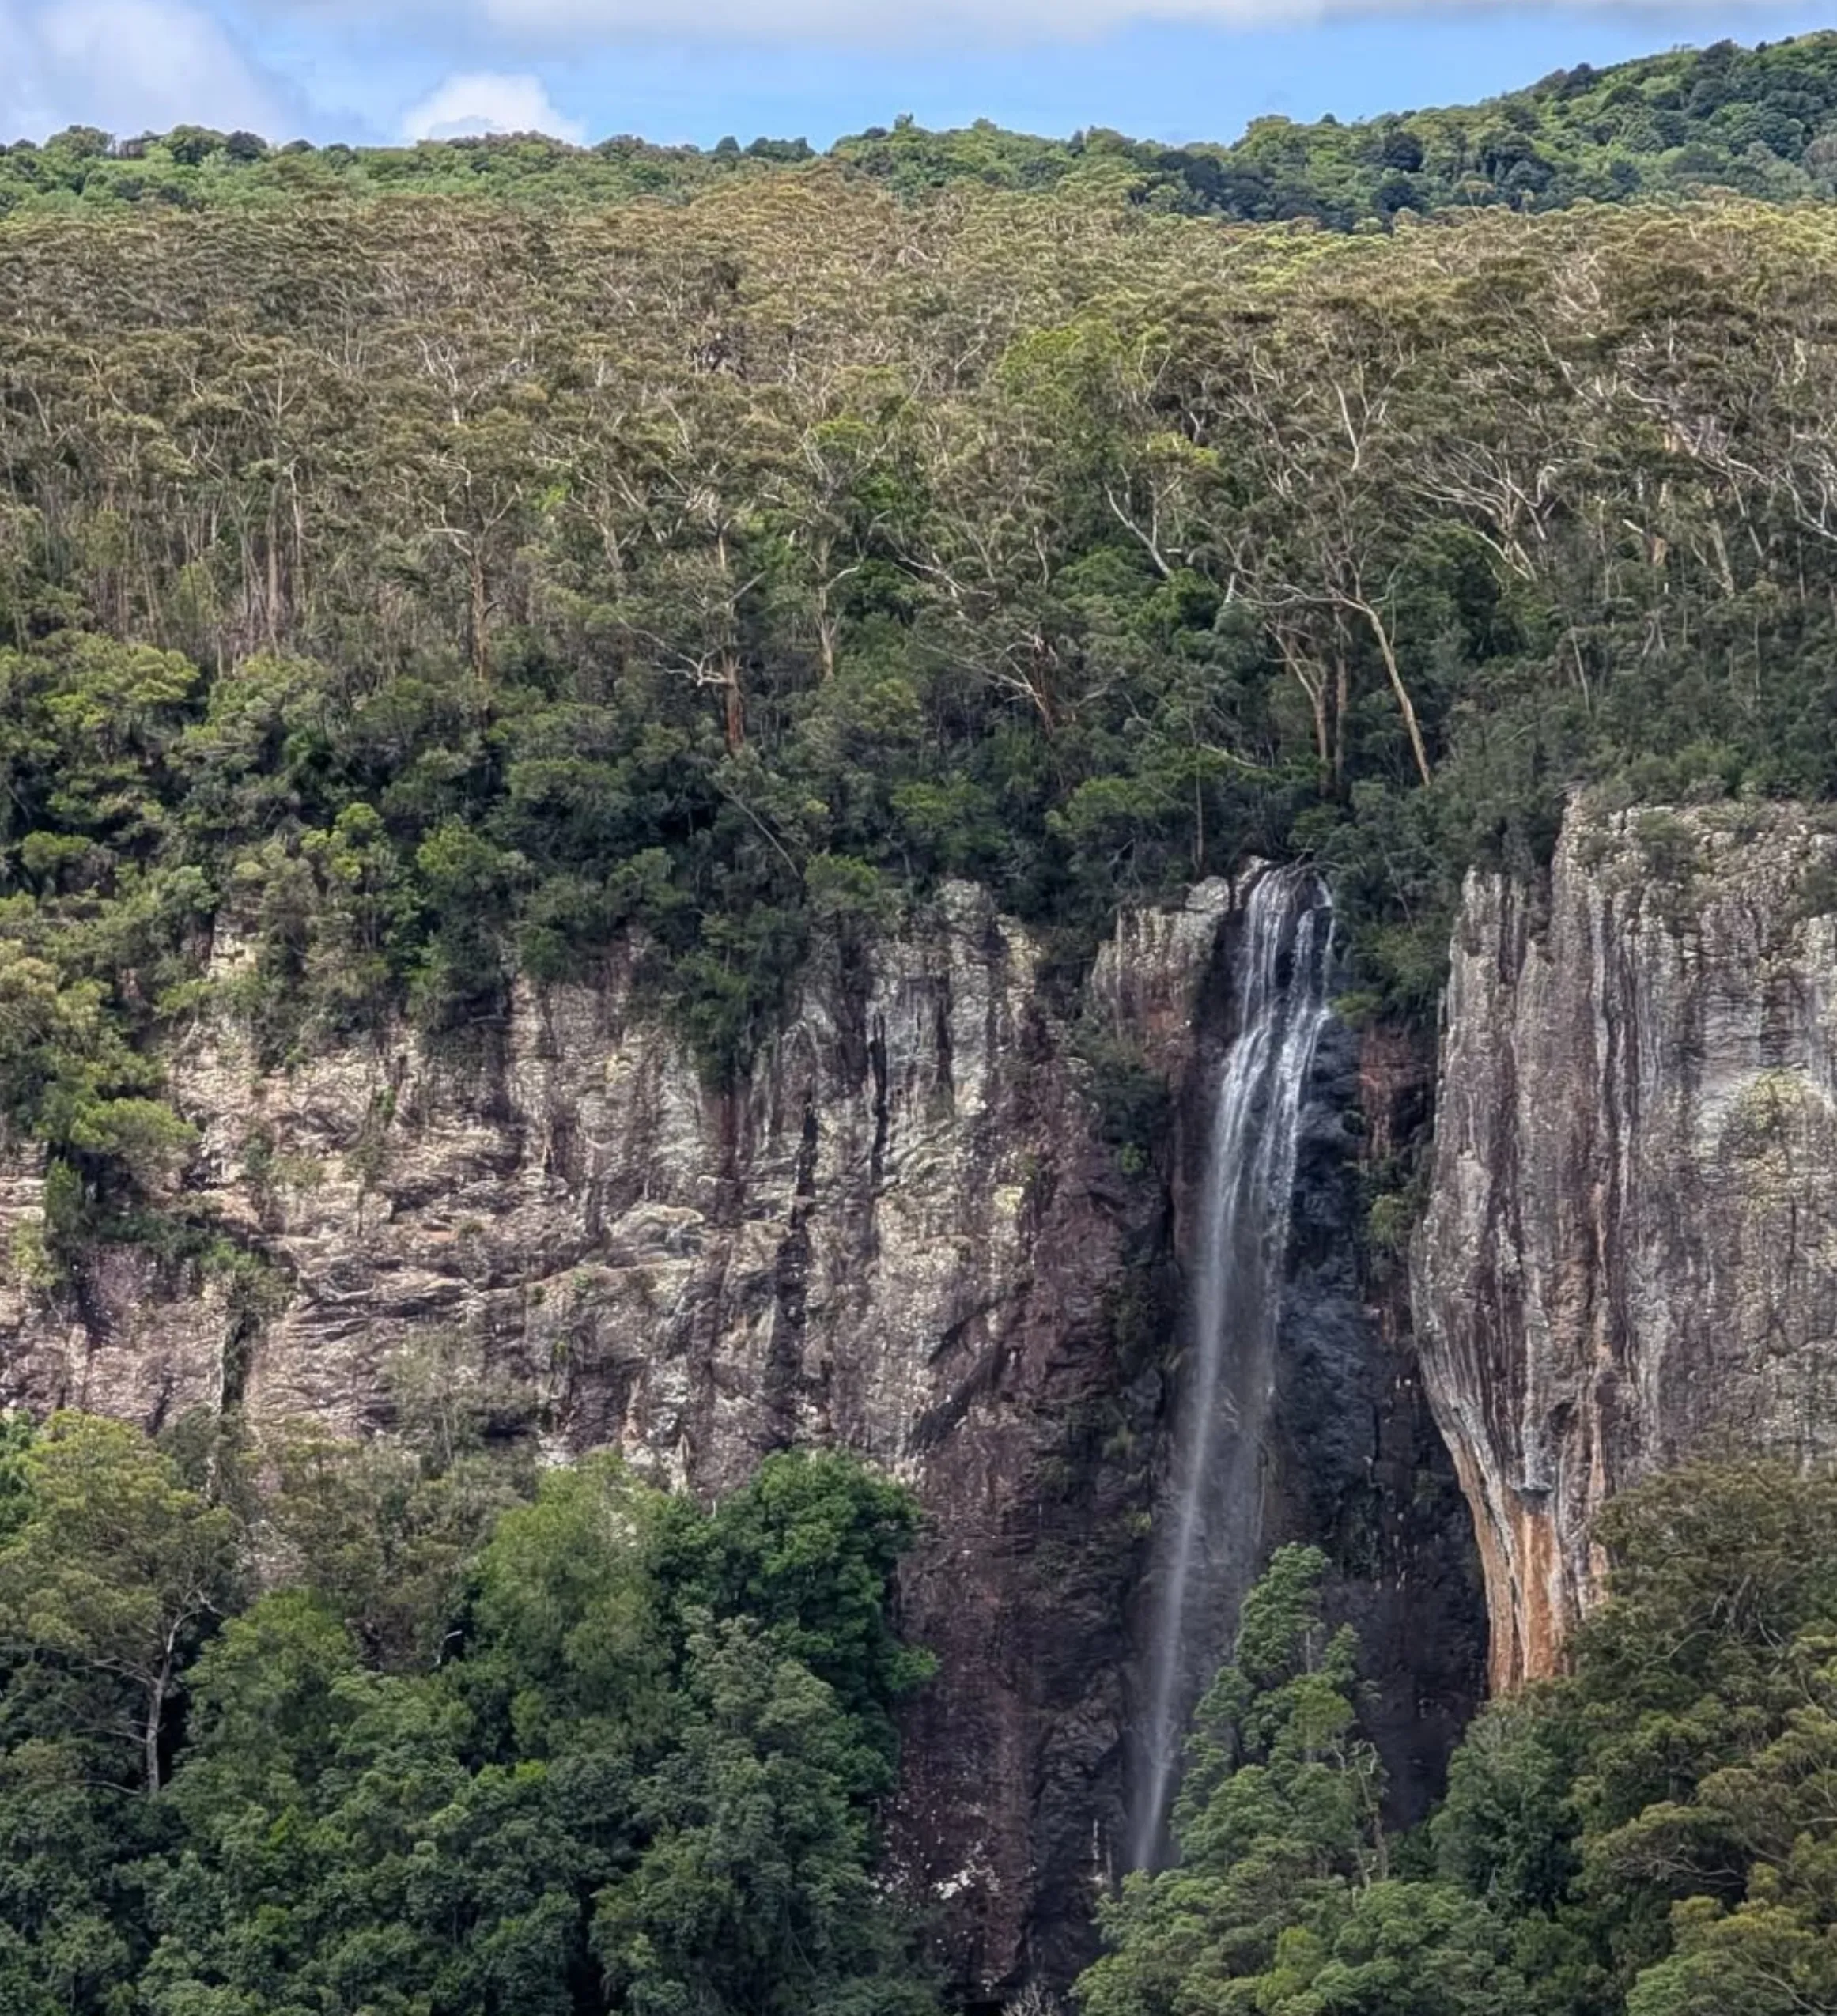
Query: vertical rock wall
(906,1234)
(934,1225)
(1629,1253)
(1358,1465)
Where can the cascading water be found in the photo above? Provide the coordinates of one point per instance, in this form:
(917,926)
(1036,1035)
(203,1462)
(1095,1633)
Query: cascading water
(1211,1520)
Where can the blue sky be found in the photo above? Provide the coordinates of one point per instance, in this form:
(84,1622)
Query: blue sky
(695,70)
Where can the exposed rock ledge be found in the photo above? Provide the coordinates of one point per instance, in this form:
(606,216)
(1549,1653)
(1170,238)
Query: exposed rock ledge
(1629,1253)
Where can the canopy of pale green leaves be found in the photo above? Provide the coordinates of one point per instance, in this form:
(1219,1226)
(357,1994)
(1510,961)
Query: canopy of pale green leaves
(441,590)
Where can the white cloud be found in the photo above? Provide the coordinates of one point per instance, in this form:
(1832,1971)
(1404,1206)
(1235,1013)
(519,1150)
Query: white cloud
(488,101)
(867,22)
(130,66)
(879,21)
(534,26)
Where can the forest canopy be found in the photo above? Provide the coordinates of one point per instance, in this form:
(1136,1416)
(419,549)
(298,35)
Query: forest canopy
(433,591)
(1652,1835)
(1760,121)
(430,1734)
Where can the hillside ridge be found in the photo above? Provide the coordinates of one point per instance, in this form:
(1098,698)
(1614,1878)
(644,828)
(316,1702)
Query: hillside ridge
(1761,121)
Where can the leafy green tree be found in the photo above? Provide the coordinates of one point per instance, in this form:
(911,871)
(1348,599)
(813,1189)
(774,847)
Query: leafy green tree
(110,1578)
(806,1550)
(569,1629)
(1398,1949)
(341,1849)
(595,1797)
(1276,1821)
(757,1893)
(109,1568)
(1508,1833)
(1653,1825)
(74,1850)
(1507,1830)
(387,1536)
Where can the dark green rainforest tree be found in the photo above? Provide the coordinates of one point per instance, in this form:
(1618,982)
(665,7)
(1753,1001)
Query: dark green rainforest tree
(1654,1834)
(1283,1901)
(638,1773)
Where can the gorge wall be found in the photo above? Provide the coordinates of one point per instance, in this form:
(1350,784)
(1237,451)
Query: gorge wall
(950,1220)
(944,1222)
(1629,1253)
(903,1234)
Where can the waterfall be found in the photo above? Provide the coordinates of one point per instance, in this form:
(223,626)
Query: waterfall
(1209,1527)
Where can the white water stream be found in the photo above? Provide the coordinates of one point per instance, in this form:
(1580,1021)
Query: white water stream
(1208,1527)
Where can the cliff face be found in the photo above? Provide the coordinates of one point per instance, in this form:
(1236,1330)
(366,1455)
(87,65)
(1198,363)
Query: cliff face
(1631,1250)
(1357,1463)
(905,1234)
(945,1222)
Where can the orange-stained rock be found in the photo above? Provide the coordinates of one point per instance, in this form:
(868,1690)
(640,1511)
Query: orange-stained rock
(1629,1253)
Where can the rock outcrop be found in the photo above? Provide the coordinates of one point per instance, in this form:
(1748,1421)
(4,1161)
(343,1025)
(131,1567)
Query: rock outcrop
(942,1222)
(906,1233)
(1630,1254)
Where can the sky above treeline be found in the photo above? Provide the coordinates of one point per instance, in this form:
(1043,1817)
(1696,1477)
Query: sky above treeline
(673,70)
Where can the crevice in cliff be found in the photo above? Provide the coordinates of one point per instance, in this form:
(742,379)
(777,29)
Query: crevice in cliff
(785,1356)
(881,1108)
(1351,1458)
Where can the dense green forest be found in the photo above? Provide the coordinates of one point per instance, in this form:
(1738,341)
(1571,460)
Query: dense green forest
(433,591)
(1760,121)
(412,1730)
(419,1733)
(438,570)
(1653,1834)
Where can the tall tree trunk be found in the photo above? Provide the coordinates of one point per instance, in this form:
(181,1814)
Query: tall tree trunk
(273,583)
(733,704)
(480,613)
(1405,706)
(157,1689)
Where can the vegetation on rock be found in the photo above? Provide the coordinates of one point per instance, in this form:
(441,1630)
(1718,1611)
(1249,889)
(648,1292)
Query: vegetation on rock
(1652,1835)
(418,594)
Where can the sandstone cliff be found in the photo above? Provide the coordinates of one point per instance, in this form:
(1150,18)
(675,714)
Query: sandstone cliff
(942,1222)
(1631,1249)
(905,1233)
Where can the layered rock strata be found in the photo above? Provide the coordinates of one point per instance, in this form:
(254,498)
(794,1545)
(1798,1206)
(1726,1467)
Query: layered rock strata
(906,1233)
(943,1222)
